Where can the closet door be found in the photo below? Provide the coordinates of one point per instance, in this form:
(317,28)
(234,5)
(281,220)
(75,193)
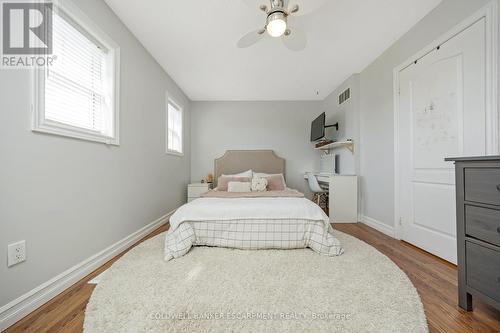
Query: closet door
(442,114)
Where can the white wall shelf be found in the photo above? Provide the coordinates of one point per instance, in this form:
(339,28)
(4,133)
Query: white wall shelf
(337,145)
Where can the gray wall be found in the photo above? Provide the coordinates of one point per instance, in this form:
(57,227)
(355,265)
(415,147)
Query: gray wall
(377,110)
(281,126)
(70,199)
(347,115)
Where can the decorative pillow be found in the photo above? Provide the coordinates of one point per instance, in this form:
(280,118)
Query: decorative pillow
(224,180)
(246,174)
(276,183)
(267,175)
(259,184)
(240,187)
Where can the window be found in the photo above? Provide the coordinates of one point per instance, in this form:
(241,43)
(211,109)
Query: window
(174,128)
(77,95)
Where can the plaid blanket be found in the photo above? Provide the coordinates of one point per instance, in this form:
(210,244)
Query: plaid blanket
(252,235)
(251,223)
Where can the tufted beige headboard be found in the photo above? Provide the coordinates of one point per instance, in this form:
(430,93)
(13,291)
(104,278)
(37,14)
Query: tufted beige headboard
(236,161)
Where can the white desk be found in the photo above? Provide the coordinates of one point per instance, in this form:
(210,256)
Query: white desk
(343,197)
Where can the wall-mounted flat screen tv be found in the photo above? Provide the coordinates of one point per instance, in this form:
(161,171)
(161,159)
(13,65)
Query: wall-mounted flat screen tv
(318,128)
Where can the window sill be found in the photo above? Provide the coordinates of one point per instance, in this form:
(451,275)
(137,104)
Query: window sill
(174,153)
(75,134)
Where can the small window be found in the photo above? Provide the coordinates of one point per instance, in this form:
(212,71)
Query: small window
(76,96)
(174,128)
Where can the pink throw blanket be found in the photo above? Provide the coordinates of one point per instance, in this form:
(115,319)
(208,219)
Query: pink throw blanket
(267,194)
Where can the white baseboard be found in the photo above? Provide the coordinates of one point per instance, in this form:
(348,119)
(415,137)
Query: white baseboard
(377,225)
(27,303)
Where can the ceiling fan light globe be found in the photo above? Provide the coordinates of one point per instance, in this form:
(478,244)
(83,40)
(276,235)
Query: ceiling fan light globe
(276,25)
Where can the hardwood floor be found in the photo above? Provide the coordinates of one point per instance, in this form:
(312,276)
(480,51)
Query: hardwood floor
(435,280)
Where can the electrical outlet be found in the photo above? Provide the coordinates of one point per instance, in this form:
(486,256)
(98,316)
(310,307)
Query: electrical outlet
(16,253)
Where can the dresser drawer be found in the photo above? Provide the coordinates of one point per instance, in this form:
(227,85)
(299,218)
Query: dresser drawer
(195,191)
(483,270)
(483,223)
(482,185)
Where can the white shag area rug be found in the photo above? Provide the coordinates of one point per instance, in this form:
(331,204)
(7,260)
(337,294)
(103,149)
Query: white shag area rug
(226,290)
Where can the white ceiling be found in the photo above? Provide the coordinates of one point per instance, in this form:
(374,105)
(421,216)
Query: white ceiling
(195,42)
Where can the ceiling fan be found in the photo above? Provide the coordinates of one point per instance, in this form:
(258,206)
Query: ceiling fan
(277,14)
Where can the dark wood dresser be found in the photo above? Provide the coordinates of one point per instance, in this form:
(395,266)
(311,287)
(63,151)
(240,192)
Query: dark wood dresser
(478,229)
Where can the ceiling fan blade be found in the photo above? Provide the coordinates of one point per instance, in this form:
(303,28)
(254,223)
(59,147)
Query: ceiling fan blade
(294,39)
(250,38)
(305,6)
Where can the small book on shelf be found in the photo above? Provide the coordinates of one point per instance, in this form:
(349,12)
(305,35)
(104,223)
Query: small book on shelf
(324,143)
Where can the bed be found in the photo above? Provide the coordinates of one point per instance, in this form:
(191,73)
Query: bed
(257,220)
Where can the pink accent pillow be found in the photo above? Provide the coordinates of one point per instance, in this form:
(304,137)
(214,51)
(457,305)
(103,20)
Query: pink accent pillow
(224,181)
(275,183)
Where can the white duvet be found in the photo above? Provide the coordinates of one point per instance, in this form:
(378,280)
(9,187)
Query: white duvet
(250,223)
(205,209)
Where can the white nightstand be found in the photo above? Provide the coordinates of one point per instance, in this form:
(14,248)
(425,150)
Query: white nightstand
(196,189)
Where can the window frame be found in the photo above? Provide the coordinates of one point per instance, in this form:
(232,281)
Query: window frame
(40,123)
(180,107)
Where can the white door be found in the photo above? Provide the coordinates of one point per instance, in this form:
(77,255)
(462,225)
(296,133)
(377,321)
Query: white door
(442,114)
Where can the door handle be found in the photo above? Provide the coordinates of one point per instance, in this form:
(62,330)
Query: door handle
(498,187)
(498,229)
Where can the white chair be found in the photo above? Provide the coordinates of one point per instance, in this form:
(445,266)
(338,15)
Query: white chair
(320,194)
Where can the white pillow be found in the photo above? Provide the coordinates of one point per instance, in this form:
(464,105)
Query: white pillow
(241,187)
(264,175)
(259,184)
(246,174)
